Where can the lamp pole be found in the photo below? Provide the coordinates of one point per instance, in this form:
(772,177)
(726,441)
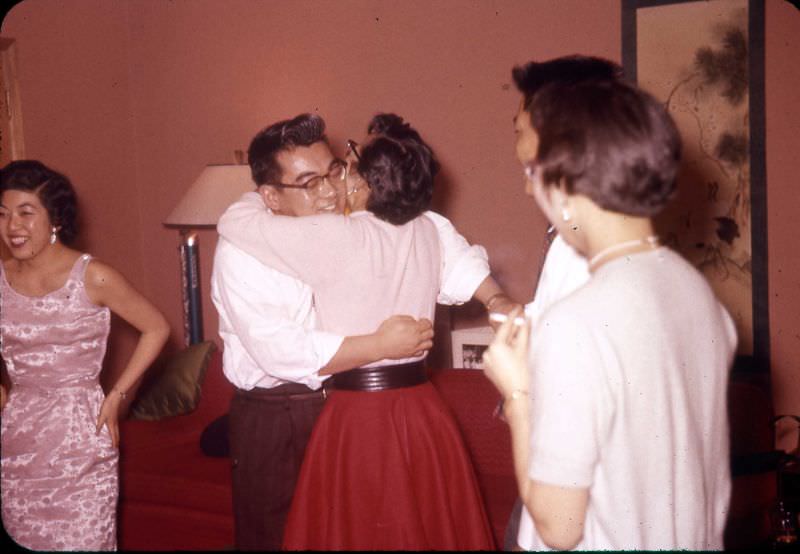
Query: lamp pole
(190,281)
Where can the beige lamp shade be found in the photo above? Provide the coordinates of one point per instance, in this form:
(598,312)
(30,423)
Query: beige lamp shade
(217,187)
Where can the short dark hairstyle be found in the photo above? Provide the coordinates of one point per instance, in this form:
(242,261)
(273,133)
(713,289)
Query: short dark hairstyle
(399,167)
(53,189)
(303,130)
(607,140)
(532,76)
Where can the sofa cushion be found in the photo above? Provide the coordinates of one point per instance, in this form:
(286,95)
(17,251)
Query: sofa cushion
(174,387)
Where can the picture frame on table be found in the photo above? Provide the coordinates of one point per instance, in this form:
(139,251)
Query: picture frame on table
(704,59)
(468,346)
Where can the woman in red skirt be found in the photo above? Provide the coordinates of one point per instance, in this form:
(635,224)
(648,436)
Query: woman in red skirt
(386,467)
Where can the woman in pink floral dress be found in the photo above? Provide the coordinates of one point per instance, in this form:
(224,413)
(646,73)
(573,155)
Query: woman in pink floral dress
(59,431)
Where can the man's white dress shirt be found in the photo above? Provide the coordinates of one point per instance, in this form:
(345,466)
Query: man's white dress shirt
(563,272)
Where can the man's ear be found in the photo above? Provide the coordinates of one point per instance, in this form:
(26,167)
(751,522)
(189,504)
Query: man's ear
(271,197)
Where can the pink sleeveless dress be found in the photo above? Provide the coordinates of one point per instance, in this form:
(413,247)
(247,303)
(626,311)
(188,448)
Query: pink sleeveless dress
(59,478)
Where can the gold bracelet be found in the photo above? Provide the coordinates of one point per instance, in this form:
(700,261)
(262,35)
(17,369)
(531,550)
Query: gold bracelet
(491,300)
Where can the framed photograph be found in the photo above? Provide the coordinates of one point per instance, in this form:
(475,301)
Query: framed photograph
(468,346)
(704,59)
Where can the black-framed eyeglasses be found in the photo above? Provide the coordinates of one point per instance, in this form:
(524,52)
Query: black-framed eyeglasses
(352,146)
(337,172)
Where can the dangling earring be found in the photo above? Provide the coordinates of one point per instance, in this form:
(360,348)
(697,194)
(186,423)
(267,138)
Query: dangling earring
(565,214)
(53,235)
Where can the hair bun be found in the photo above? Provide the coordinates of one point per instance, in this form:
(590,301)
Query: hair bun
(387,124)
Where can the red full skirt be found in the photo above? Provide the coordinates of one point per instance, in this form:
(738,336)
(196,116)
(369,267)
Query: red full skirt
(387,470)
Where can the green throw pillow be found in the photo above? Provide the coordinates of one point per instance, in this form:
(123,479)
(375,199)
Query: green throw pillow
(173,388)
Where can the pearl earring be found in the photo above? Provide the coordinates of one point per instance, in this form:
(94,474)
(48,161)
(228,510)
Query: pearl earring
(53,236)
(565,214)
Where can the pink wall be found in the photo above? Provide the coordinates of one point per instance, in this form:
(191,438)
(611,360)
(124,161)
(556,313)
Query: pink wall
(132,99)
(218,72)
(783,201)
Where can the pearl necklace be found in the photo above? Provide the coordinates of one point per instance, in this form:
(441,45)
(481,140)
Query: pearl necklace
(649,241)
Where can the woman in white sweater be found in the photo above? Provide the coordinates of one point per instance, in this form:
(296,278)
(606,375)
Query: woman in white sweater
(617,402)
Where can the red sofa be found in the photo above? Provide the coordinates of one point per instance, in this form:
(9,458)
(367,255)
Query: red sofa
(173,497)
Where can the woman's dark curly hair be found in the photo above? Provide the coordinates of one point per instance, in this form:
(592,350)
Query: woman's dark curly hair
(399,167)
(607,140)
(53,189)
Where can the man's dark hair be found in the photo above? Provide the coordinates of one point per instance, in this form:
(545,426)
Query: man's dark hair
(532,76)
(303,130)
(399,168)
(609,141)
(53,190)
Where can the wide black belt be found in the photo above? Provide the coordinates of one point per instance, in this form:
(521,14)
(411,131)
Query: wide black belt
(380,378)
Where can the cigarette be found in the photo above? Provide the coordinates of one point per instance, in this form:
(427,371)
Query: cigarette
(500,318)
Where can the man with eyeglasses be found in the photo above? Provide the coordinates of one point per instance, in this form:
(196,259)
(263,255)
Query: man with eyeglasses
(273,355)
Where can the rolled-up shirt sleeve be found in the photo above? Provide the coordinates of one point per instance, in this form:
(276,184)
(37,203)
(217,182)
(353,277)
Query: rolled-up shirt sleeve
(464,266)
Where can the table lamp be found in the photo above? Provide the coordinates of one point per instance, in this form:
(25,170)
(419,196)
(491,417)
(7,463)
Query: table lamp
(217,187)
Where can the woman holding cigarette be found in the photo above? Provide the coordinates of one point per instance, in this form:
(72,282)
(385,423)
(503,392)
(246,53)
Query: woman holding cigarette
(617,410)
(59,430)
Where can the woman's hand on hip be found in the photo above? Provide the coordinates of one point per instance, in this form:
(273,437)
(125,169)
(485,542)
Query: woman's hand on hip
(109,416)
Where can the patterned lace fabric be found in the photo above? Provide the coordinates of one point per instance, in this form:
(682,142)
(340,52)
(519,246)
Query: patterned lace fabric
(59,478)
